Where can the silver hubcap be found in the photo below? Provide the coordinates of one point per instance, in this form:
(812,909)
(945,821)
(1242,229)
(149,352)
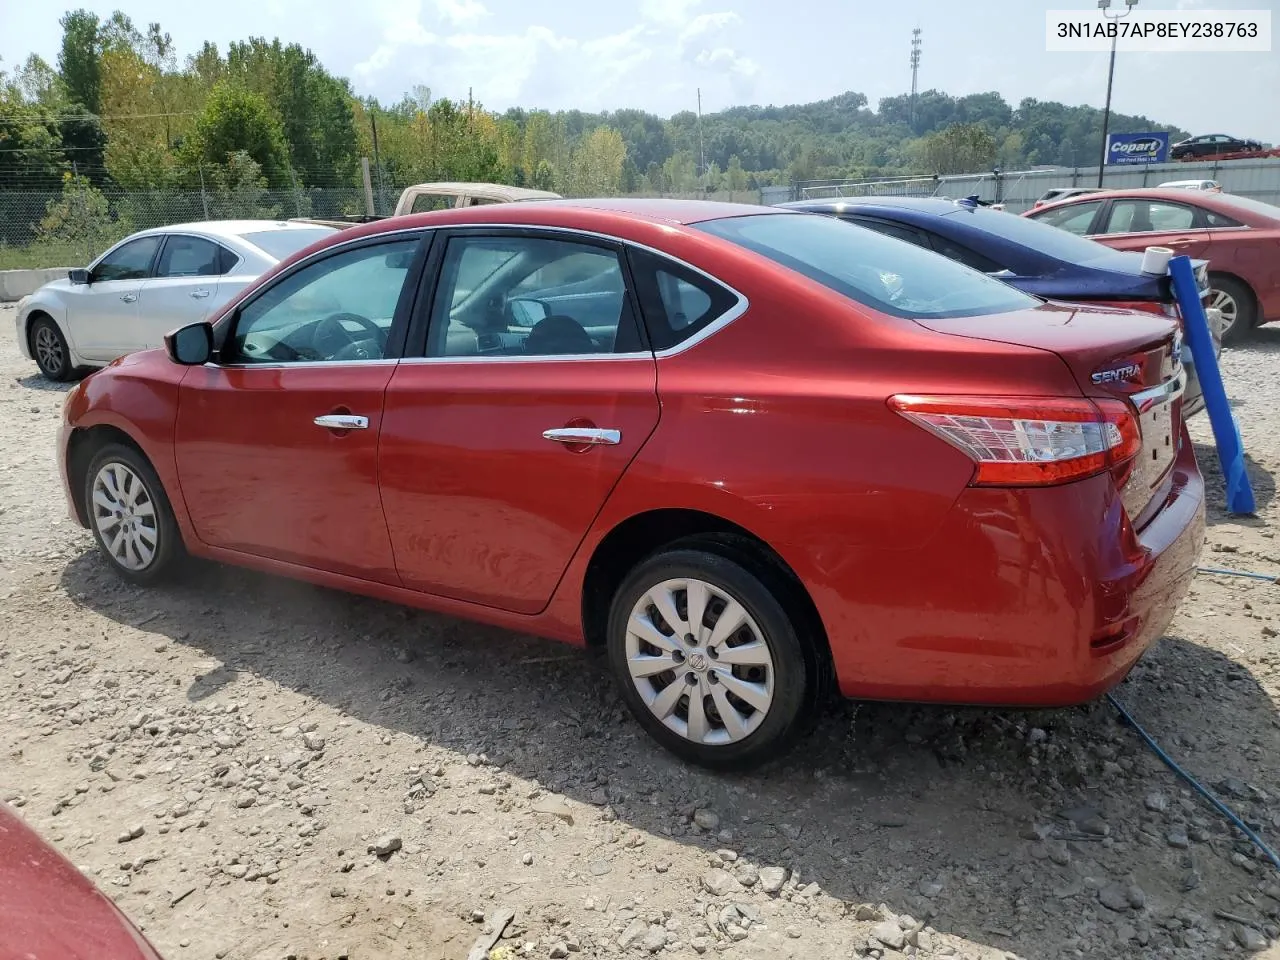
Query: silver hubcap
(125,516)
(700,662)
(48,350)
(1225,303)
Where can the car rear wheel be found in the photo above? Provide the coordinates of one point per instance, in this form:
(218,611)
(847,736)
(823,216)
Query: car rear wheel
(130,515)
(1236,302)
(708,658)
(50,349)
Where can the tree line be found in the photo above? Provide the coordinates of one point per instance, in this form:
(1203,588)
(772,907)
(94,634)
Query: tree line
(118,110)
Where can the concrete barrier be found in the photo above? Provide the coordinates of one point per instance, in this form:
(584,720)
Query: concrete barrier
(16,284)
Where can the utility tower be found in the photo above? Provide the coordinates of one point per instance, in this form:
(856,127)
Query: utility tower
(915,71)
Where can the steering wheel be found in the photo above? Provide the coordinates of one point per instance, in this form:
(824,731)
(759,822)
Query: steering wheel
(333,341)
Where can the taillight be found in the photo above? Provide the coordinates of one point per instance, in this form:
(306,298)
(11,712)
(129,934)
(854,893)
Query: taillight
(1031,441)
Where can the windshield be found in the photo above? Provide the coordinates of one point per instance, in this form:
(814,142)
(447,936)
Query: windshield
(1248,203)
(881,272)
(285,242)
(1041,237)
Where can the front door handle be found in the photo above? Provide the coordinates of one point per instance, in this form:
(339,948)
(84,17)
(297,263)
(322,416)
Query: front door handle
(129,297)
(199,294)
(342,421)
(582,435)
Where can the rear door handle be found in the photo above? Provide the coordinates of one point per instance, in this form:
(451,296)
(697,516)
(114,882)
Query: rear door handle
(199,294)
(583,435)
(1182,241)
(129,297)
(342,421)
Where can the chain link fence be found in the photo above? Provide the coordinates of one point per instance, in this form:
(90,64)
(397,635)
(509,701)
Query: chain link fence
(70,227)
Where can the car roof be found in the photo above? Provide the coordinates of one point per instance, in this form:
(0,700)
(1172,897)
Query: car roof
(232,228)
(586,214)
(839,204)
(478,187)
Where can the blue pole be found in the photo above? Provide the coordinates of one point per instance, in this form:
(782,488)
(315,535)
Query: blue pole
(1225,429)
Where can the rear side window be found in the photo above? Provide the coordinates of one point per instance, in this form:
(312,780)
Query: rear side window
(1214,219)
(676,302)
(892,277)
(189,257)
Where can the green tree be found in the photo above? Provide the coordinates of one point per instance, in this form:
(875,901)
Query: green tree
(735,178)
(240,190)
(79,59)
(80,219)
(960,148)
(236,120)
(598,162)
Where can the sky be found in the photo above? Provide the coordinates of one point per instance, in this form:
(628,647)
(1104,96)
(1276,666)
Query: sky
(657,54)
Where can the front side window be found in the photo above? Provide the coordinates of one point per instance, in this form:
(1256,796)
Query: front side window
(1076,218)
(1149,216)
(530,296)
(338,309)
(189,257)
(887,275)
(129,262)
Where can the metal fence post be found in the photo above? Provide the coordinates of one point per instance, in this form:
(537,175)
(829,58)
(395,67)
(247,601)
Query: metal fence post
(204,199)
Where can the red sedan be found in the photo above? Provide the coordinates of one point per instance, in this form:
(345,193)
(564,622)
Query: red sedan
(49,910)
(749,451)
(1239,236)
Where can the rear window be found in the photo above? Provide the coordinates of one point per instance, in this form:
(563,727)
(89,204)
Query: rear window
(1041,237)
(284,243)
(886,274)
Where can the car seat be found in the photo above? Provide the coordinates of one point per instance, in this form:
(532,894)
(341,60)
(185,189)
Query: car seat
(558,334)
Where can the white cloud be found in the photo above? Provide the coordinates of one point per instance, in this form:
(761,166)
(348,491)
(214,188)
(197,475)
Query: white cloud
(727,60)
(705,24)
(675,12)
(461,12)
(671,45)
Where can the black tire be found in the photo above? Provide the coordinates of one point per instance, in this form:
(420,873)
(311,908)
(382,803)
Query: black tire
(799,667)
(50,350)
(1246,307)
(168,552)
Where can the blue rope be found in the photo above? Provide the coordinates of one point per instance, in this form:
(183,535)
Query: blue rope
(1239,573)
(1195,784)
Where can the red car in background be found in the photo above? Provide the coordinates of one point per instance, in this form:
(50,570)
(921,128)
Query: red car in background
(748,451)
(49,910)
(1239,236)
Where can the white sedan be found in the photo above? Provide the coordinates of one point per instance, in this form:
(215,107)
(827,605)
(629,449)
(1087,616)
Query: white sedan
(148,284)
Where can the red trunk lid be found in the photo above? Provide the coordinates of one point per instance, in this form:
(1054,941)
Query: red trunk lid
(1111,353)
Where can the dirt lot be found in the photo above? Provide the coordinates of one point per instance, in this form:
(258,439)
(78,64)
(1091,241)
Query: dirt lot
(227,756)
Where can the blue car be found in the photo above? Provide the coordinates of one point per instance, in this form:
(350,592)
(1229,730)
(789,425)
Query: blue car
(1034,257)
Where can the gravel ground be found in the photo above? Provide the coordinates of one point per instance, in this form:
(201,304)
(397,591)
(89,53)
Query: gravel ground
(255,768)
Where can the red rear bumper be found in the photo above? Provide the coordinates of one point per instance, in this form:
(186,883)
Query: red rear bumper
(1041,597)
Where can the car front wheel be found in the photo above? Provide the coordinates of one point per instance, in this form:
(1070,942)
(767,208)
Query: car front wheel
(130,515)
(709,659)
(50,349)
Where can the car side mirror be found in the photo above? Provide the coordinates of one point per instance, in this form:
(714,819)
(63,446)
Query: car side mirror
(191,345)
(79,276)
